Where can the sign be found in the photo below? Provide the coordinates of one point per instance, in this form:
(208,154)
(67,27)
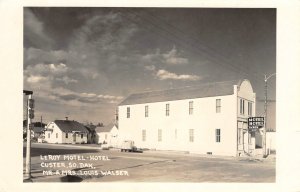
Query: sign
(31,126)
(255,123)
(31,103)
(31,114)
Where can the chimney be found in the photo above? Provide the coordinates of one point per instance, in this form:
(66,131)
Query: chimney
(66,118)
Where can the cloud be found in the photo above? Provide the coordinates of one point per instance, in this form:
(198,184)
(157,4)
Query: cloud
(34,33)
(46,69)
(104,33)
(172,58)
(86,98)
(165,75)
(33,56)
(67,80)
(36,79)
(150,68)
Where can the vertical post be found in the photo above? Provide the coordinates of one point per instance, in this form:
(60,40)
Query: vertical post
(28,146)
(265,113)
(265,117)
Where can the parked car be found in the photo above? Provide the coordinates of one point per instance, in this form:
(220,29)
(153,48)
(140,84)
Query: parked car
(128,146)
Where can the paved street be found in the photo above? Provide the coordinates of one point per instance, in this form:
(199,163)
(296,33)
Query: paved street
(94,165)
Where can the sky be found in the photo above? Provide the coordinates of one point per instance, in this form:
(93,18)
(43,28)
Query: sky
(82,62)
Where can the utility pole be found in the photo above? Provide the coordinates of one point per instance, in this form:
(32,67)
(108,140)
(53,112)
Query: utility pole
(30,115)
(265,114)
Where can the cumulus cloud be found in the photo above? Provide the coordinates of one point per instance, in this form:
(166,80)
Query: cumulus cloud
(165,75)
(36,79)
(87,98)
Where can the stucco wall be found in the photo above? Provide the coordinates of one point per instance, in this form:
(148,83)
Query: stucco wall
(204,121)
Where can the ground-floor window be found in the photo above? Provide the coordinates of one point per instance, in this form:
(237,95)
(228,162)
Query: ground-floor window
(48,135)
(159,138)
(191,135)
(144,135)
(67,135)
(218,135)
(56,135)
(81,136)
(251,134)
(240,136)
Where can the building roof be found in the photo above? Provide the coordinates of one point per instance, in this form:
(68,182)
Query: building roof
(191,92)
(70,126)
(106,128)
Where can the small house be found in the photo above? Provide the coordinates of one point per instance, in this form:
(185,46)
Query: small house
(108,135)
(66,131)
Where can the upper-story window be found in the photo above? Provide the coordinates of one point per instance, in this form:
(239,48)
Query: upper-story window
(128,112)
(167,109)
(146,111)
(191,135)
(218,135)
(218,105)
(242,106)
(249,108)
(159,138)
(143,135)
(191,108)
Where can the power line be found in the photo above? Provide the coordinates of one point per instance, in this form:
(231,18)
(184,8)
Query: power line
(191,45)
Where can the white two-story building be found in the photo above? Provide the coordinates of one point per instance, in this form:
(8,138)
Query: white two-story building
(206,119)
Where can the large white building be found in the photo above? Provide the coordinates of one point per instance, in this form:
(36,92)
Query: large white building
(207,119)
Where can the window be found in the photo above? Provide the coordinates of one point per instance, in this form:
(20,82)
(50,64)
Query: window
(48,135)
(66,135)
(146,111)
(190,107)
(105,136)
(218,105)
(56,135)
(240,136)
(249,138)
(144,135)
(81,136)
(242,106)
(159,135)
(167,109)
(191,135)
(218,135)
(128,112)
(249,108)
